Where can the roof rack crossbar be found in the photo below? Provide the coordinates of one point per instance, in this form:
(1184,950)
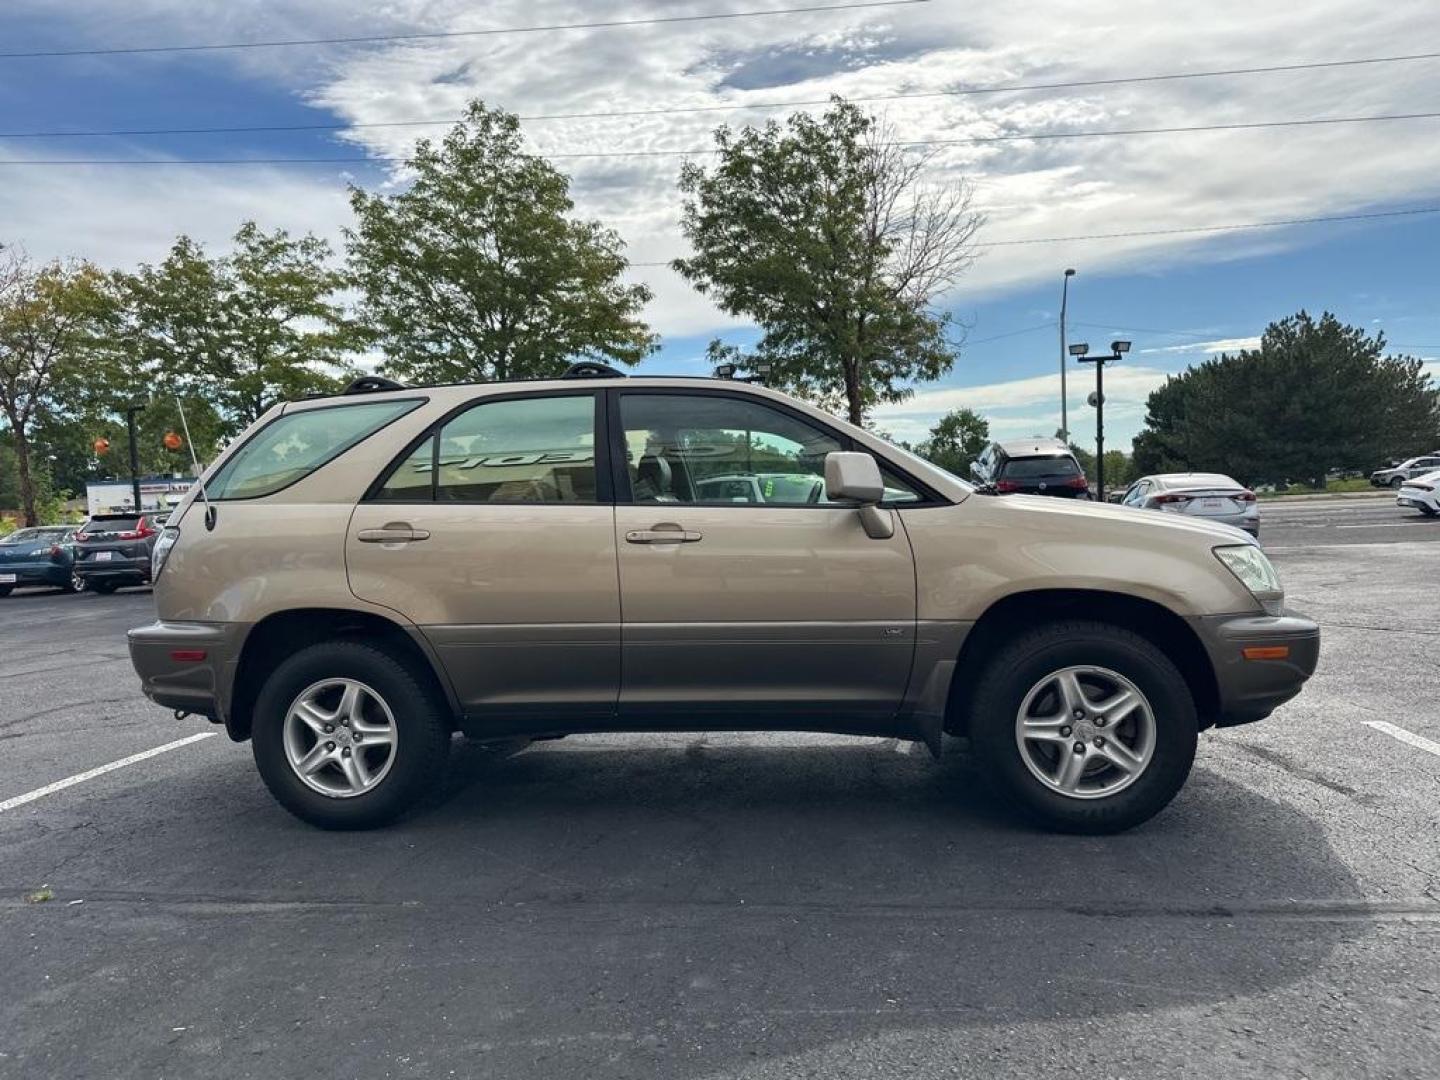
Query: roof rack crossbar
(372,384)
(592,369)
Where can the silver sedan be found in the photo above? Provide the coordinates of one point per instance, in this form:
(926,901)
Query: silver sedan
(1212,496)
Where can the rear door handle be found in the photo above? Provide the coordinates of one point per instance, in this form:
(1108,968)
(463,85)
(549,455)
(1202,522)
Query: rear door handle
(665,533)
(396,532)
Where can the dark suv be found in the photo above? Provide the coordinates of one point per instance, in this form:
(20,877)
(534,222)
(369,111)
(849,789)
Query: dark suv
(112,550)
(1031,467)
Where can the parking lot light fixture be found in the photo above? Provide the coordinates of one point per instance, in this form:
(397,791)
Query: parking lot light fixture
(1080,348)
(1119,347)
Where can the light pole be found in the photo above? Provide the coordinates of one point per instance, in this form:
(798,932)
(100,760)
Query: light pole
(1117,350)
(1064,404)
(134,453)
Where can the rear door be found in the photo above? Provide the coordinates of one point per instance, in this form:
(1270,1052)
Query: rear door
(753,612)
(495,535)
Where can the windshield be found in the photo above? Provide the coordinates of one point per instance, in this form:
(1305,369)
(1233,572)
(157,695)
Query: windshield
(35,536)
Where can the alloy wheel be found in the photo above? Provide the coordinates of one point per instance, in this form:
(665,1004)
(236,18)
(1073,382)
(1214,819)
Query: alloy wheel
(340,737)
(1085,731)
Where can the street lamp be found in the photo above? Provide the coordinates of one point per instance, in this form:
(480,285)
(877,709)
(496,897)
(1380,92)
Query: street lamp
(135,406)
(1064,404)
(1117,350)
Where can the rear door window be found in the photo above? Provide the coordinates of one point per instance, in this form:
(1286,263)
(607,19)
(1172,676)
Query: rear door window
(296,444)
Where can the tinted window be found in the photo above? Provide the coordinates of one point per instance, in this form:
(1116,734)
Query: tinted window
(520,450)
(714,449)
(112,523)
(295,445)
(1032,468)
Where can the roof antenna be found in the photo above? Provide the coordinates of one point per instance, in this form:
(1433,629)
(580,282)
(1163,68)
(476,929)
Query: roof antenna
(199,475)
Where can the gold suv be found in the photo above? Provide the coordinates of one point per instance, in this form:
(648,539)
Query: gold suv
(364,575)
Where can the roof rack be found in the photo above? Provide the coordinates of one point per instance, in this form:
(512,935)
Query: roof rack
(592,369)
(372,384)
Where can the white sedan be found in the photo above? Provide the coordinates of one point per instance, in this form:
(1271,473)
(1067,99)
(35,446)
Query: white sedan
(1421,493)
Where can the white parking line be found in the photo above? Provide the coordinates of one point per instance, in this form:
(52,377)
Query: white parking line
(80,778)
(1404,736)
(1389,525)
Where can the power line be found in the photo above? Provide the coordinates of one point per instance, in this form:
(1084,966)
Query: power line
(734,107)
(448,34)
(617,154)
(1238,227)
(1203,337)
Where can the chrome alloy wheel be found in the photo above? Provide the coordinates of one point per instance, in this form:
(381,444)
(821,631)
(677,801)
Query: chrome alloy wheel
(1085,731)
(340,737)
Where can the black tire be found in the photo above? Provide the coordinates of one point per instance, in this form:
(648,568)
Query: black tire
(6,590)
(1026,660)
(1397,481)
(75,584)
(422,723)
(104,588)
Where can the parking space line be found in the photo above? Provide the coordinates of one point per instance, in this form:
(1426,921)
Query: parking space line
(90,774)
(1404,736)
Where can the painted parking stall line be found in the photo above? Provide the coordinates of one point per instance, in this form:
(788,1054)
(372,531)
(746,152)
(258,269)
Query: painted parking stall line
(1409,737)
(91,774)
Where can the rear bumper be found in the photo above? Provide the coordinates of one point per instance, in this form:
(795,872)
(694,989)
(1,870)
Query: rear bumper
(1252,687)
(114,569)
(187,665)
(48,573)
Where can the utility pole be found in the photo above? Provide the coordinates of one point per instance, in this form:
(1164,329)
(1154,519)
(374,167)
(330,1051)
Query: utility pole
(1117,350)
(1064,403)
(134,408)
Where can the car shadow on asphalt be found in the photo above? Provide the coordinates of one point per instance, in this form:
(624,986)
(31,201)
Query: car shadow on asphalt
(705,907)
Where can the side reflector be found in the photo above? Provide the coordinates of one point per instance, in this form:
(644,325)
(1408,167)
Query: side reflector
(187,656)
(1266,652)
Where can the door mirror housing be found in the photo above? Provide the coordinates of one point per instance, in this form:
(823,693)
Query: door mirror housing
(854,477)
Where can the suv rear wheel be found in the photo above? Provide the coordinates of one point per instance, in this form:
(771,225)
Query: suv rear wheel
(1086,726)
(347,737)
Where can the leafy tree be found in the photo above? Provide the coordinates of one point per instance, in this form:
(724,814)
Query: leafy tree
(1119,467)
(956,440)
(1316,395)
(242,330)
(55,327)
(479,271)
(824,233)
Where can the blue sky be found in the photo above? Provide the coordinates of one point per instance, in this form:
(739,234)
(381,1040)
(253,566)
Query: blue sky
(1175,297)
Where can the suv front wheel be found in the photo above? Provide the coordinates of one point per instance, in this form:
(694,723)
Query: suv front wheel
(347,737)
(1088,727)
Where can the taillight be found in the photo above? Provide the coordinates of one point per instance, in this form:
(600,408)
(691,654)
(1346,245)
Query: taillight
(1078,482)
(1006,485)
(82,538)
(1246,496)
(137,534)
(55,551)
(1171,500)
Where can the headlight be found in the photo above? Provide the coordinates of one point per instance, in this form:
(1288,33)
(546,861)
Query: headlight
(1248,563)
(161,552)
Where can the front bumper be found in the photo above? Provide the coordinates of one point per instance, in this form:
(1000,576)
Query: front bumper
(1283,651)
(188,666)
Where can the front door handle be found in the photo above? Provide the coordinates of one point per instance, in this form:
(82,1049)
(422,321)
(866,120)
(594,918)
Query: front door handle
(667,532)
(395,532)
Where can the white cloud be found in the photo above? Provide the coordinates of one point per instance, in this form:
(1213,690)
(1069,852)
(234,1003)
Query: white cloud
(1044,188)
(1222,345)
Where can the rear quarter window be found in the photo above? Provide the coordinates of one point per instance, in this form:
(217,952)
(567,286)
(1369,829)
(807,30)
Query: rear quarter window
(294,445)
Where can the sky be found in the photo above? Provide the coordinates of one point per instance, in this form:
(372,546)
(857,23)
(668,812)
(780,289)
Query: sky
(1177,297)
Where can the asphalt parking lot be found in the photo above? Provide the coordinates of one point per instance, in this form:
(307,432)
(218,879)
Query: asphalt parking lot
(746,906)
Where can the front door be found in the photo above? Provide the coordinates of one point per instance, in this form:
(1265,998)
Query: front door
(748,599)
(496,537)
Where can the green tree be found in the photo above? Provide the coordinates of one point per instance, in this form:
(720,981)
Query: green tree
(241,330)
(479,270)
(1119,467)
(1316,395)
(824,232)
(956,440)
(56,325)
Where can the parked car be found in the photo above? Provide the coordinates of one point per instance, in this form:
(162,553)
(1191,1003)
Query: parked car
(382,568)
(38,556)
(1422,493)
(1031,467)
(1213,496)
(1395,475)
(112,550)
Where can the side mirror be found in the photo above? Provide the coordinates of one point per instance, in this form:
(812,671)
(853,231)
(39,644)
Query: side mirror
(1115,497)
(853,477)
(975,471)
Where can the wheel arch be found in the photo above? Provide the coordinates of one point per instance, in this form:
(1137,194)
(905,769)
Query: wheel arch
(278,636)
(1011,614)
